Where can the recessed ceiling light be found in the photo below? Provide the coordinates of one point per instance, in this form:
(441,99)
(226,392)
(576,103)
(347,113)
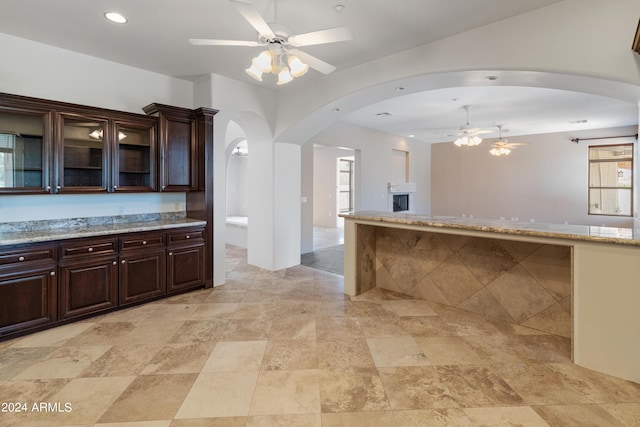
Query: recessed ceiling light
(340,7)
(335,110)
(492,78)
(115,17)
(411,136)
(575,122)
(400,88)
(384,114)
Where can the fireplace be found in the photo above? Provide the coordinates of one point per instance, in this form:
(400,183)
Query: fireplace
(400,202)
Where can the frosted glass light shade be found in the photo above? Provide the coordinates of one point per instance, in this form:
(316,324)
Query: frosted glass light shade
(284,76)
(263,61)
(297,67)
(254,72)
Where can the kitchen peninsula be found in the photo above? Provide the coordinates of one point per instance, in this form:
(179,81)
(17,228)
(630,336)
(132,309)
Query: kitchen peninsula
(581,282)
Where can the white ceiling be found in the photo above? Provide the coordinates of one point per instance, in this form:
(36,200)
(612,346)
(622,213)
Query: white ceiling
(155,39)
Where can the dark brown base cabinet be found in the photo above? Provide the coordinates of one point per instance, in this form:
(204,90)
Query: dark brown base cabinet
(94,275)
(185,259)
(88,280)
(88,286)
(142,276)
(27,298)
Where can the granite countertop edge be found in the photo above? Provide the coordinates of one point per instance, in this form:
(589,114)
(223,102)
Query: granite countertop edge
(45,235)
(612,235)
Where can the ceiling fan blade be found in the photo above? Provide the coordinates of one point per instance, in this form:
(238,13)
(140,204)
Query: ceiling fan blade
(213,42)
(330,35)
(313,62)
(254,18)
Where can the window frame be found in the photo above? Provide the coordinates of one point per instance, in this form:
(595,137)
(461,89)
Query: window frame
(590,187)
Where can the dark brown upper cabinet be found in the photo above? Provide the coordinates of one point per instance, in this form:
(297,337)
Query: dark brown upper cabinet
(55,147)
(178,147)
(83,154)
(25,148)
(136,155)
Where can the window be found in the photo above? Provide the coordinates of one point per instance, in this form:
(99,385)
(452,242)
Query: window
(345,197)
(611,180)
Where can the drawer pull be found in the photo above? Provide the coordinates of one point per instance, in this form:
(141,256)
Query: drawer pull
(21,258)
(188,237)
(53,273)
(170,253)
(115,263)
(90,249)
(122,262)
(144,242)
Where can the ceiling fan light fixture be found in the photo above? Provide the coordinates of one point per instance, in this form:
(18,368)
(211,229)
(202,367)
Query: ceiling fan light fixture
(296,66)
(467,141)
(500,151)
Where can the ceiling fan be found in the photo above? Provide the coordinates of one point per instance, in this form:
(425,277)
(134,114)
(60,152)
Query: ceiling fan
(281,56)
(467,136)
(502,147)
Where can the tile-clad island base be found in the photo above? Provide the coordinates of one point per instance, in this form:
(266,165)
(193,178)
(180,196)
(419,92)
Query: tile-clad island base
(518,282)
(573,281)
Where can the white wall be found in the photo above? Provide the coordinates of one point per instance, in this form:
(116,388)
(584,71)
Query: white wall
(546,180)
(47,72)
(398,166)
(306,200)
(44,71)
(237,186)
(325,211)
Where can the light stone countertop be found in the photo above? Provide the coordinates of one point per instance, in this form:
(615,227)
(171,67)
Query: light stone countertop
(624,236)
(42,231)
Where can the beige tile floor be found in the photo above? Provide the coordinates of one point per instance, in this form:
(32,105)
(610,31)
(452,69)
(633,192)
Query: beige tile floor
(287,348)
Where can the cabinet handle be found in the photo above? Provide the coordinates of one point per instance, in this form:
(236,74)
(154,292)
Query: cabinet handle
(188,237)
(115,263)
(144,242)
(21,258)
(53,273)
(90,249)
(170,253)
(122,262)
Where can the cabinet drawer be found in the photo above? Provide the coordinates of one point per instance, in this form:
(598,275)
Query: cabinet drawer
(186,236)
(28,253)
(145,240)
(88,247)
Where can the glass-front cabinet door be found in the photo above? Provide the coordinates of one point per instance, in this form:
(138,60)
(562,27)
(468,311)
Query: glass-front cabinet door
(134,159)
(24,151)
(83,154)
